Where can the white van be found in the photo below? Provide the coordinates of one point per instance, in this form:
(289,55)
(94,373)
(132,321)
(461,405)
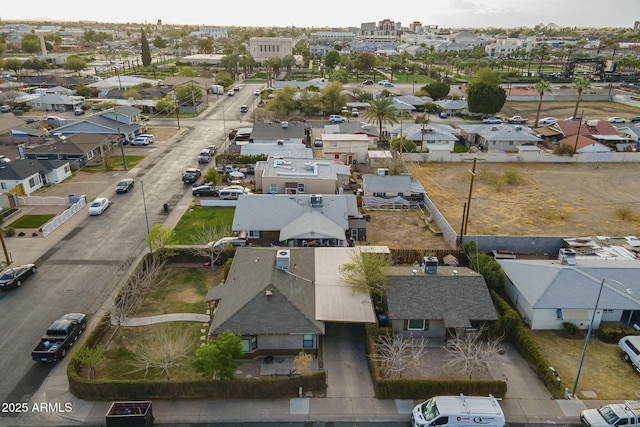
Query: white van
(630,346)
(228,193)
(459,411)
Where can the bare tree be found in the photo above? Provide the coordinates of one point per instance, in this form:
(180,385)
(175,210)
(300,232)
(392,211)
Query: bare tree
(206,236)
(470,353)
(399,355)
(302,363)
(129,299)
(162,348)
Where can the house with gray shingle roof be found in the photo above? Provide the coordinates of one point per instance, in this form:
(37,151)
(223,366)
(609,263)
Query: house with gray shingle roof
(498,137)
(438,304)
(389,186)
(299,220)
(427,137)
(548,293)
(32,174)
(128,121)
(280,299)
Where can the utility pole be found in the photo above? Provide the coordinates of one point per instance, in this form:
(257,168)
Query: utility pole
(468,206)
(575,146)
(178,113)
(124,158)
(4,249)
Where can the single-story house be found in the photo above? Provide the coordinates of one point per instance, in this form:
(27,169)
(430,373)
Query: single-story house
(437,302)
(504,137)
(453,106)
(30,175)
(80,149)
(548,293)
(280,299)
(299,220)
(427,137)
(280,133)
(128,122)
(585,144)
(389,186)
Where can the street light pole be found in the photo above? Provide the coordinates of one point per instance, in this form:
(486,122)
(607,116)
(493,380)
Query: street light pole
(144,203)
(590,330)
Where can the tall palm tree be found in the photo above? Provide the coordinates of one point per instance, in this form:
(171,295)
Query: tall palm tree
(541,87)
(581,83)
(381,110)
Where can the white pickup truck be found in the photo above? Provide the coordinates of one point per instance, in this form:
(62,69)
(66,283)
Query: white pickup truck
(615,414)
(630,346)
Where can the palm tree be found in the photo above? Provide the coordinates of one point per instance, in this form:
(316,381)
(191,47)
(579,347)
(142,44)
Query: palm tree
(381,110)
(581,83)
(541,87)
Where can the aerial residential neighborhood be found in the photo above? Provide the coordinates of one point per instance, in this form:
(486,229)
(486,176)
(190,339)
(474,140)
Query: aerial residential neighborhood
(376,221)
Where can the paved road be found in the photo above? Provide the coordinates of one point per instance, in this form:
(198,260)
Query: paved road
(79,272)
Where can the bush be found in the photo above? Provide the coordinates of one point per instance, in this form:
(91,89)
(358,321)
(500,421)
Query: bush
(34,234)
(9,232)
(612,335)
(20,234)
(570,328)
(563,149)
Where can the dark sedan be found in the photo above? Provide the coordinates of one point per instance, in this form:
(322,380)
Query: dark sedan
(13,277)
(205,191)
(124,185)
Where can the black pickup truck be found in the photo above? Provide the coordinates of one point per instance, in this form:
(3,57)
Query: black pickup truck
(60,336)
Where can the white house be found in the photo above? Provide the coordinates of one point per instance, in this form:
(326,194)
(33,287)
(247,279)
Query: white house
(32,174)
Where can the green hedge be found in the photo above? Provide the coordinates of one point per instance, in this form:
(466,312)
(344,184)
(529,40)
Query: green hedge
(612,335)
(253,388)
(420,388)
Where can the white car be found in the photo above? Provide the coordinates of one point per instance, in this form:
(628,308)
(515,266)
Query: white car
(335,118)
(547,120)
(149,136)
(617,120)
(98,206)
(141,140)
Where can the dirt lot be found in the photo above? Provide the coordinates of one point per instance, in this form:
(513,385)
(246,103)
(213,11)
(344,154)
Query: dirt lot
(402,229)
(592,110)
(547,199)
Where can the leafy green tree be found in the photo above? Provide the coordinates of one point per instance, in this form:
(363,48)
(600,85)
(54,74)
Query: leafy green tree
(485,265)
(89,357)
(159,237)
(285,102)
(485,98)
(224,79)
(274,63)
(145,50)
(488,76)
(341,76)
(13,64)
(165,105)
(85,91)
(212,176)
(131,93)
(205,46)
(365,272)
(438,90)
(230,62)
(581,83)
(75,63)
(218,357)
(30,43)
(187,71)
(188,94)
(36,65)
(364,61)
(408,146)
(331,59)
(541,87)
(288,62)
(332,97)
(159,42)
(381,110)
(309,102)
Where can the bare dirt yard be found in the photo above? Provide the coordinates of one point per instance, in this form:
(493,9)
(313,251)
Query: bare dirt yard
(537,199)
(402,229)
(593,110)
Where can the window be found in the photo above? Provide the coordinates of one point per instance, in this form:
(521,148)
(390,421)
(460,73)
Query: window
(307,341)
(379,194)
(416,325)
(249,344)
(254,234)
(3,185)
(441,421)
(632,347)
(273,188)
(66,168)
(559,314)
(301,187)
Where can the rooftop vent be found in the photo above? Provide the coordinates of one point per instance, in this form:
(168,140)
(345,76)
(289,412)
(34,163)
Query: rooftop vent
(269,293)
(316,201)
(567,256)
(283,258)
(430,264)
(285,124)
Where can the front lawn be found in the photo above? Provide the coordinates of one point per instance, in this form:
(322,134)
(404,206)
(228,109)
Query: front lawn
(31,221)
(132,161)
(195,217)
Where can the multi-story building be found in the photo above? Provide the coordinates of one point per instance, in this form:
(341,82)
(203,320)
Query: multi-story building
(262,48)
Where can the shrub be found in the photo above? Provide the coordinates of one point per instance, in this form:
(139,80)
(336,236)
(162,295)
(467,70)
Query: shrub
(20,234)
(512,176)
(612,335)
(9,232)
(624,213)
(563,149)
(570,328)
(34,234)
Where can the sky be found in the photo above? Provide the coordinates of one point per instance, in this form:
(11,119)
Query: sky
(283,13)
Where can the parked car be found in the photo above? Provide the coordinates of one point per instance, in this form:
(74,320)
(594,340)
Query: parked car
(382,82)
(237,88)
(616,120)
(59,338)
(191,175)
(5,109)
(204,156)
(244,109)
(636,119)
(355,112)
(124,185)
(547,120)
(335,118)
(140,140)
(517,120)
(388,84)
(231,92)
(205,191)
(256,92)
(98,206)
(78,112)
(13,277)
(368,82)
(149,136)
(492,120)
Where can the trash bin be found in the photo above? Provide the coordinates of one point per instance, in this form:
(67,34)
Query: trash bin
(165,207)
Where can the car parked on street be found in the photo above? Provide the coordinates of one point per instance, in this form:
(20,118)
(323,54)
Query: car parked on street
(492,121)
(13,277)
(368,82)
(205,155)
(98,206)
(78,112)
(336,118)
(191,175)
(5,109)
(124,185)
(205,191)
(636,119)
(388,84)
(517,120)
(616,120)
(547,120)
(231,92)
(140,140)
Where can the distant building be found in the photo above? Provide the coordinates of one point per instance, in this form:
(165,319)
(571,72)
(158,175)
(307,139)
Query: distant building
(262,48)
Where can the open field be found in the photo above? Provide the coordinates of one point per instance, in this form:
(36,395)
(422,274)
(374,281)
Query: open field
(543,199)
